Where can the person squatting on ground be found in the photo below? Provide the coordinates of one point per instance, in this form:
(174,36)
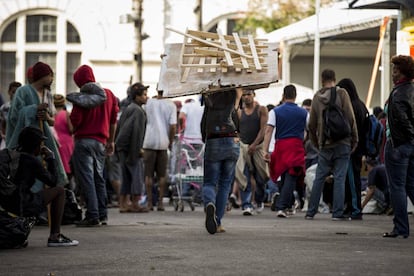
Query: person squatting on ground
(159,137)
(94,125)
(129,139)
(378,187)
(353,180)
(222,150)
(399,149)
(252,172)
(333,156)
(288,157)
(31,169)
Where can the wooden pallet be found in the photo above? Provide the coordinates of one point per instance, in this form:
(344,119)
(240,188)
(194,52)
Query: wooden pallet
(212,52)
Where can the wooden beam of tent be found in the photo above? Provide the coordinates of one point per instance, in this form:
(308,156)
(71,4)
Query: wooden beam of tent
(383,29)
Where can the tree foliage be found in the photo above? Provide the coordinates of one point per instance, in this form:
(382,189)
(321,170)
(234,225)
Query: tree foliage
(274,14)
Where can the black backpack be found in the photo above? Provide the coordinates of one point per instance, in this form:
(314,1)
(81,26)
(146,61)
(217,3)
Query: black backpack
(9,162)
(336,125)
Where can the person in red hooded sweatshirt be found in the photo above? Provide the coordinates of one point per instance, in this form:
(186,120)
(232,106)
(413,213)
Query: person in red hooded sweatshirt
(94,117)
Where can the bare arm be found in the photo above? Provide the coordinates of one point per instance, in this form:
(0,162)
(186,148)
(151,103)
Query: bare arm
(110,144)
(370,194)
(266,142)
(171,134)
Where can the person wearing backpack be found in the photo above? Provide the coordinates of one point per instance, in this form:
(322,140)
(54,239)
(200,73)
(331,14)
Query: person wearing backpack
(334,151)
(399,148)
(353,180)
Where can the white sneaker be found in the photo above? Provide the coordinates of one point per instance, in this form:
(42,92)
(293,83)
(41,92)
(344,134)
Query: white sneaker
(260,208)
(281,214)
(248,211)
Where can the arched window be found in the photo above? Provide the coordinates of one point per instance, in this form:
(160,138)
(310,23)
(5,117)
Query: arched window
(38,33)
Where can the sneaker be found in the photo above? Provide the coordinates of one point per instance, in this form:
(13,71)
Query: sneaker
(260,208)
(281,214)
(88,223)
(220,229)
(248,211)
(308,217)
(103,220)
(290,212)
(341,218)
(211,222)
(356,217)
(233,201)
(274,199)
(61,242)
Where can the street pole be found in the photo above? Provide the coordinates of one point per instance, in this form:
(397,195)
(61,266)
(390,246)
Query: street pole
(137,9)
(200,15)
(316,50)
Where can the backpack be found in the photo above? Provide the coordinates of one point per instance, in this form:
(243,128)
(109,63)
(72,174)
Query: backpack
(336,125)
(373,136)
(9,162)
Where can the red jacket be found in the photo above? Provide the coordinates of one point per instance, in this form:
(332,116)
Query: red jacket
(93,123)
(288,154)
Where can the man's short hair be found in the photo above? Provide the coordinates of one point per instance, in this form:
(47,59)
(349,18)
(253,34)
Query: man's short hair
(289,92)
(14,84)
(137,89)
(328,75)
(307,102)
(248,91)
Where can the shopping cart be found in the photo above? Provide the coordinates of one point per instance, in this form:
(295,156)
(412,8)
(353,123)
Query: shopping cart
(188,177)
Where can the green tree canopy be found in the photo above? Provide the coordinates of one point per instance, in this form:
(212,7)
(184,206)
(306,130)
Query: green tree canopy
(274,14)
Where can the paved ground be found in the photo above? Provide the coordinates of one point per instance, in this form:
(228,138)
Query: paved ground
(175,243)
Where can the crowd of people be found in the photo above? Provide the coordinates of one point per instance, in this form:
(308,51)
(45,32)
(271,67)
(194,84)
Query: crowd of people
(252,154)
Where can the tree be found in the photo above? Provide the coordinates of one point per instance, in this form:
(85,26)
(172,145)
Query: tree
(274,14)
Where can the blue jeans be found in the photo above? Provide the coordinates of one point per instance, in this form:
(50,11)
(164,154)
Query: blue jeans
(331,160)
(246,195)
(220,159)
(286,191)
(88,161)
(399,163)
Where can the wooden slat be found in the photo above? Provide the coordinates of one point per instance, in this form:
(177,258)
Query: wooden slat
(226,54)
(254,53)
(240,48)
(186,70)
(209,52)
(213,62)
(201,63)
(227,37)
(205,65)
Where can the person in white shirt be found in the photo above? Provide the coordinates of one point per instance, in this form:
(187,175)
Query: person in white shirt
(159,137)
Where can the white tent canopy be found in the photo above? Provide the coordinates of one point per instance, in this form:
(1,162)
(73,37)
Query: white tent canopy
(332,22)
(351,35)
(273,94)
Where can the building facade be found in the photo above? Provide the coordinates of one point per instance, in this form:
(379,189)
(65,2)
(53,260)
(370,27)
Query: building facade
(68,33)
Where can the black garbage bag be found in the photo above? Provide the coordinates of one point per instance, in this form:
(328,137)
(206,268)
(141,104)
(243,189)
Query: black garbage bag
(14,231)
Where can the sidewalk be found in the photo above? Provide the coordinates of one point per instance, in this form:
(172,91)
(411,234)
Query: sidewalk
(176,243)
